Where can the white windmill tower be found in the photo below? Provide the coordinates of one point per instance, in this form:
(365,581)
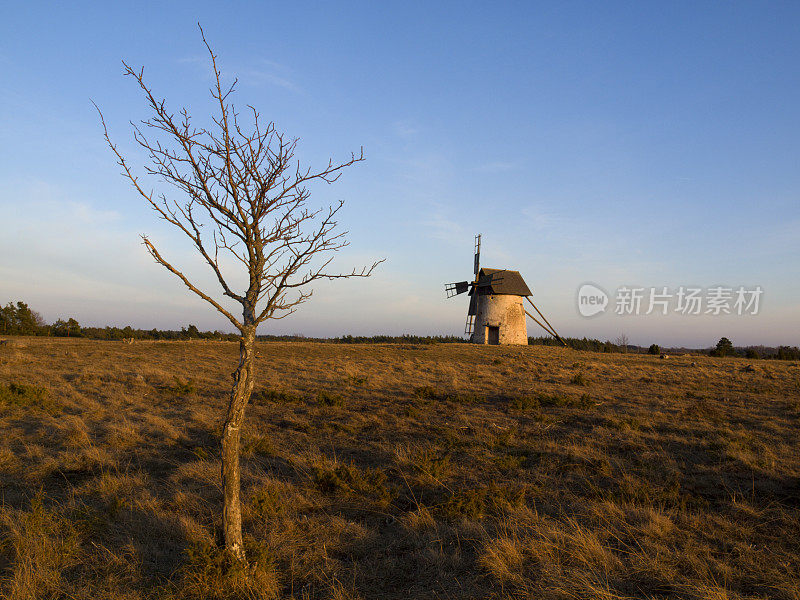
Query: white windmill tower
(496,312)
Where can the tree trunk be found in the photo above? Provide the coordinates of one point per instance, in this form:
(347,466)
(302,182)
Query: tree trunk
(231,438)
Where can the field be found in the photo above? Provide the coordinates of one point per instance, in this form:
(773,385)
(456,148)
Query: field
(398,471)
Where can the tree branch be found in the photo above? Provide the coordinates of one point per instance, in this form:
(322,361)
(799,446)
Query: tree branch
(249,187)
(151,249)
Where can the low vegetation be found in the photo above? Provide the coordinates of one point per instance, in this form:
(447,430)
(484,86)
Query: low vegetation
(17,394)
(398,471)
(18,319)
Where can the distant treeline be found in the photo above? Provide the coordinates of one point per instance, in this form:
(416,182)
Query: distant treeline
(591,345)
(398,339)
(19,319)
(723,348)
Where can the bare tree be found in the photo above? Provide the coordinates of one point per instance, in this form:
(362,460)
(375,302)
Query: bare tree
(622,341)
(244,196)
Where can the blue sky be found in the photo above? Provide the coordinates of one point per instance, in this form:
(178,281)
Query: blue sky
(644,144)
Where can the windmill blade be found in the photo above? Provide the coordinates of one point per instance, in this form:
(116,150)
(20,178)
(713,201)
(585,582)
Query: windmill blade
(483,282)
(470,325)
(477,254)
(454,289)
(473,305)
(472,311)
(495,278)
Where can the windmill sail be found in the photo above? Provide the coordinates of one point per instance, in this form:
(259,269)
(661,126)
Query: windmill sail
(477,255)
(470,325)
(473,305)
(454,289)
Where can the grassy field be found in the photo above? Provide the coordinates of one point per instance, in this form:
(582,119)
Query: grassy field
(391,471)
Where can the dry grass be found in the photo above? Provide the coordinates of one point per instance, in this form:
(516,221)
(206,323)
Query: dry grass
(446,471)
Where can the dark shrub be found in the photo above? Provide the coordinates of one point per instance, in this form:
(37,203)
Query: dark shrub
(19,394)
(262,397)
(182,389)
(329,399)
(724,347)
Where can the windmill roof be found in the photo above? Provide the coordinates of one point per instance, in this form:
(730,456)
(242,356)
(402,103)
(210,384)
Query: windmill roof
(502,281)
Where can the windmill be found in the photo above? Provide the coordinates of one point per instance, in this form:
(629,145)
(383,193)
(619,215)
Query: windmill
(496,313)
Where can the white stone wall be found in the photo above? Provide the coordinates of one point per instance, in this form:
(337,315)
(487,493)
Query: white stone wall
(505,312)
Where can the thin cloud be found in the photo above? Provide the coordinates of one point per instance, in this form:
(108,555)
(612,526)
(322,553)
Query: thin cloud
(48,203)
(268,72)
(405,129)
(263,72)
(497,166)
(442,227)
(200,64)
(543,220)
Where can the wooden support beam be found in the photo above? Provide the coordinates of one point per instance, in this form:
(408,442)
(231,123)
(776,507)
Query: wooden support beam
(535,320)
(552,330)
